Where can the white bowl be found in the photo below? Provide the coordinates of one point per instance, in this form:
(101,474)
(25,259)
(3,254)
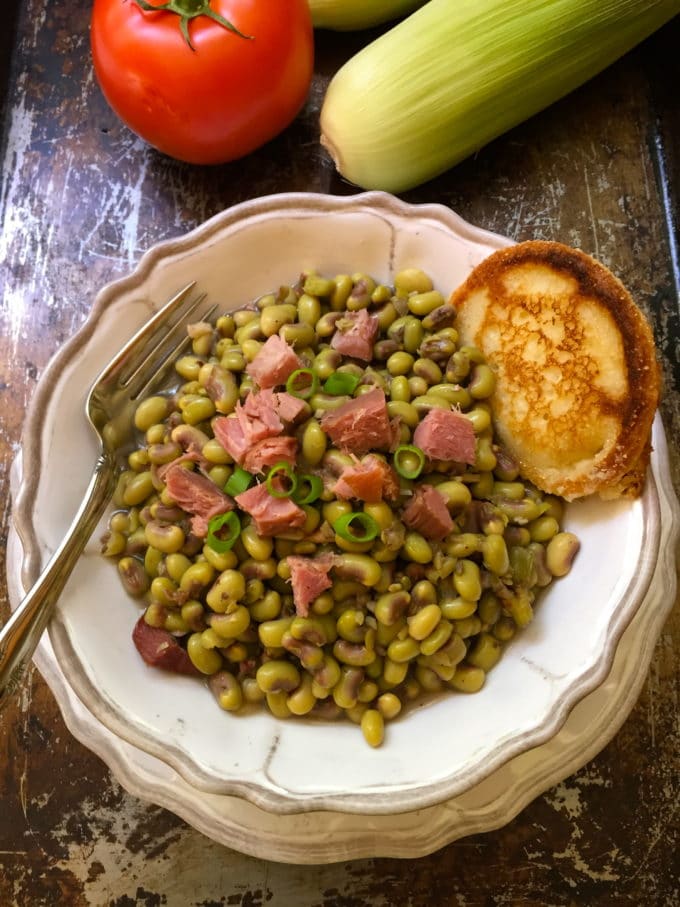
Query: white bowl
(436,751)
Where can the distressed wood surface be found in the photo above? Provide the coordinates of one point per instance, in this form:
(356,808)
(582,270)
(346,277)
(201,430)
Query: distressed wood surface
(81,200)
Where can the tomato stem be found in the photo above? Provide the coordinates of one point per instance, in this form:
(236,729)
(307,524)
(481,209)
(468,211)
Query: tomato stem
(190,9)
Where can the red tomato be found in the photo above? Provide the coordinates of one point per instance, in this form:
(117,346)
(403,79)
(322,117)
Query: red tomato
(221,97)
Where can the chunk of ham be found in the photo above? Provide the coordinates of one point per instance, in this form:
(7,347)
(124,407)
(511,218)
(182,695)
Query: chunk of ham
(362,424)
(198,495)
(229,433)
(272,409)
(370,479)
(288,407)
(274,363)
(309,578)
(270,451)
(446,434)
(160,649)
(427,513)
(263,416)
(355,335)
(258,416)
(271,515)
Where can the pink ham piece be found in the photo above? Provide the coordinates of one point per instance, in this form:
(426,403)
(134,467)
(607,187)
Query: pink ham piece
(198,495)
(427,513)
(161,650)
(370,480)
(362,424)
(446,434)
(259,419)
(241,433)
(228,431)
(269,452)
(355,335)
(288,407)
(274,363)
(271,515)
(309,578)
(269,410)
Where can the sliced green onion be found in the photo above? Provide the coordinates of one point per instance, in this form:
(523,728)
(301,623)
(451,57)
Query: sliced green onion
(408,460)
(238,481)
(281,480)
(341,383)
(302,383)
(308,489)
(356,527)
(223,530)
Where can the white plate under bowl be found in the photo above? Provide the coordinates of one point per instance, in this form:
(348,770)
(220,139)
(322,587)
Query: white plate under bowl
(433,753)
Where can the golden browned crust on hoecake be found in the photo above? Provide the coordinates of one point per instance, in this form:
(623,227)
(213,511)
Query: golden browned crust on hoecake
(577,375)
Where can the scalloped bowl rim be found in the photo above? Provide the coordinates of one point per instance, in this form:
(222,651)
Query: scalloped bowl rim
(267,791)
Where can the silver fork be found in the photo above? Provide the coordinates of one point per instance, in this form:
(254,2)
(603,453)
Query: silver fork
(132,373)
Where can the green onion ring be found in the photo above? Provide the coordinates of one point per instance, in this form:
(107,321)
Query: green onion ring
(306,495)
(218,523)
(344,526)
(339,383)
(402,451)
(306,390)
(280,471)
(238,481)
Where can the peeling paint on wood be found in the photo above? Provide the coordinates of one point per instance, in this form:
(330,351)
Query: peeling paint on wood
(81,199)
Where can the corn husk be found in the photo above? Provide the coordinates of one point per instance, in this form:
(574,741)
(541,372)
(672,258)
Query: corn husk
(350,15)
(457,73)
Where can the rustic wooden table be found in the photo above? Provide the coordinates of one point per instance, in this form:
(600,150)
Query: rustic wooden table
(81,200)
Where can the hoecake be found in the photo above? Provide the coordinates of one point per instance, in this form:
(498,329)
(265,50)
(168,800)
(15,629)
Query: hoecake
(577,375)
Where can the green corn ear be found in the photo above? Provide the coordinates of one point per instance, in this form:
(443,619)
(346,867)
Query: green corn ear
(457,73)
(350,15)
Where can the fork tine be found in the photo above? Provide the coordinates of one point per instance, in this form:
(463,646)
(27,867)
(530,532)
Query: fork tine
(151,370)
(155,333)
(138,341)
(155,338)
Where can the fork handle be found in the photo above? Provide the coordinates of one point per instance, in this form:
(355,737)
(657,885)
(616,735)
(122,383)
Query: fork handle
(19,637)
